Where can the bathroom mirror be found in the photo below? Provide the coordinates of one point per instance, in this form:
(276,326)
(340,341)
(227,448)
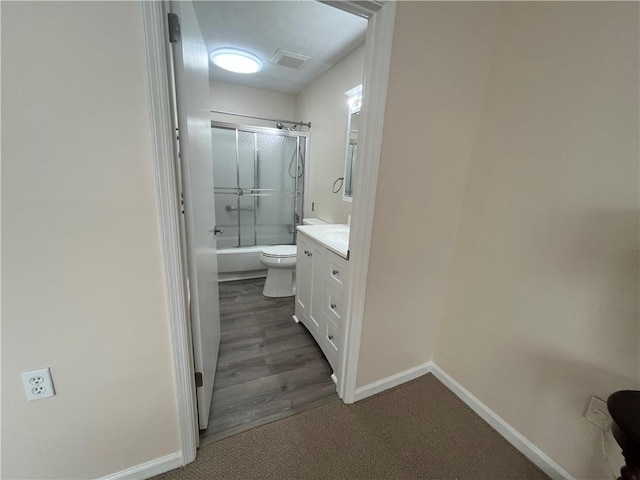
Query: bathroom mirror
(353,126)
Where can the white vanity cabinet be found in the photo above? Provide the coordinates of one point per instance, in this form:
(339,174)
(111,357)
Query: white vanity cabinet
(309,280)
(321,280)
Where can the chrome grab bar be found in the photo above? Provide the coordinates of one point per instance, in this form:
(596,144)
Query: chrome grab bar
(254,191)
(231,208)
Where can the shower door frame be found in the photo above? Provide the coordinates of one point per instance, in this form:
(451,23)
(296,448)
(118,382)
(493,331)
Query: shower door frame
(267,131)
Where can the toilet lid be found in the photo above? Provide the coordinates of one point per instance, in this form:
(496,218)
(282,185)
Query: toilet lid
(280,251)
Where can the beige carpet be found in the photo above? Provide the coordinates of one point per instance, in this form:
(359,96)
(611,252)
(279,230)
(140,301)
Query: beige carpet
(417,430)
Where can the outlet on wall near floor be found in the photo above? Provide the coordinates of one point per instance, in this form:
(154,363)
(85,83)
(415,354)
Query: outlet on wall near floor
(598,414)
(38,384)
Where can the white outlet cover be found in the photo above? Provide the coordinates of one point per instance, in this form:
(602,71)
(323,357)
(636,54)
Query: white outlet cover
(598,414)
(38,384)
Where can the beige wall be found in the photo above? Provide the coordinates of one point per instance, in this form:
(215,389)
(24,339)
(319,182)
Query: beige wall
(227,97)
(506,227)
(324,104)
(439,65)
(82,283)
(542,307)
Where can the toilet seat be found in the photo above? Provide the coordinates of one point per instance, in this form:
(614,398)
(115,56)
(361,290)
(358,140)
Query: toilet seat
(280,251)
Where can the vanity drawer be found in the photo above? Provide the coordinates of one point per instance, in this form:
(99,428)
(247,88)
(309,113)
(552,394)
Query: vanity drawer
(331,342)
(337,271)
(334,304)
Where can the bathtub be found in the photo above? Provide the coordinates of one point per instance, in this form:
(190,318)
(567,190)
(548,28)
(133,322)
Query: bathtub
(239,263)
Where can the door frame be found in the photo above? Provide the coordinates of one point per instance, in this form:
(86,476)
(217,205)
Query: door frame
(163,122)
(381,17)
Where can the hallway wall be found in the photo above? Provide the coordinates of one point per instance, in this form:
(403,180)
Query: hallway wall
(439,67)
(542,304)
(507,216)
(82,282)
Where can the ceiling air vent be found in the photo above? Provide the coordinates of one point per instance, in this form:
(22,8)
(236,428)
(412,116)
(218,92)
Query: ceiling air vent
(289,59)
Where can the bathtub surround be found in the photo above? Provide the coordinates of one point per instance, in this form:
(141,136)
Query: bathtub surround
(259,183)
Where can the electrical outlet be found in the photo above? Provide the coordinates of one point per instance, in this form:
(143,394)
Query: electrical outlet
(38,384)
(598,414)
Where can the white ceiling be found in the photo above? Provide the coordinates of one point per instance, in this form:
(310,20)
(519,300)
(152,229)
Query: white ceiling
(311,28)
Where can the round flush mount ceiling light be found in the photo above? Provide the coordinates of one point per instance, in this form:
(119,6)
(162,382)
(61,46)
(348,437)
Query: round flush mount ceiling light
(236,60)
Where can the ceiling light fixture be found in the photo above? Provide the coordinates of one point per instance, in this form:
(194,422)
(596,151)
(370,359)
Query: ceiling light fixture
(236,60)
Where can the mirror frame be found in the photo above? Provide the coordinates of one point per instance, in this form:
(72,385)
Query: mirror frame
(354,102)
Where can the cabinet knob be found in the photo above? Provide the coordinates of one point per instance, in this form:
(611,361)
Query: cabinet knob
(330,337)
(333,306)
(335,272)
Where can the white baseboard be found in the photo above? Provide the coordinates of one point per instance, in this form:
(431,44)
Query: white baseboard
(148,469)
(528,449)
(392,381)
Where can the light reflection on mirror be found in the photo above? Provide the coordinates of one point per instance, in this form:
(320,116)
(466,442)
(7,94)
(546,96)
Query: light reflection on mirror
(351,155)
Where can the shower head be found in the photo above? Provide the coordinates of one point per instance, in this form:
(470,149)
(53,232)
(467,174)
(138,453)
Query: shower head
(280,125)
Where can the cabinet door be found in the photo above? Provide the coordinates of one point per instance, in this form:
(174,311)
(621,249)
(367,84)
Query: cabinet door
(304,277)
(316,310)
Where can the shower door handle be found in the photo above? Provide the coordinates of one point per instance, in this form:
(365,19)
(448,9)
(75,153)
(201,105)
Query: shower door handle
(217,230)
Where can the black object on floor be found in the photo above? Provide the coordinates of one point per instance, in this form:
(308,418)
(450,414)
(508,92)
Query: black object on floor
(624,407)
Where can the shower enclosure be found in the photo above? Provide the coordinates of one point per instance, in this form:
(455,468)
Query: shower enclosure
(259,177)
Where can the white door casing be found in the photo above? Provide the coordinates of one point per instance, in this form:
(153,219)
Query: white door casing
(191,65)
(378,51)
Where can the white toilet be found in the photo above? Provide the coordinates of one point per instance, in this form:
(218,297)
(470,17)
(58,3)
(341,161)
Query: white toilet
(281,262)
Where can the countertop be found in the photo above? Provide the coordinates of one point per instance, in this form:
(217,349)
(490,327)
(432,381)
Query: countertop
(334,237)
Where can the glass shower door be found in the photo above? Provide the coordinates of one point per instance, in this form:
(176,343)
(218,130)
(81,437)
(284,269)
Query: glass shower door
(259,181)
(225,183)
(275,189)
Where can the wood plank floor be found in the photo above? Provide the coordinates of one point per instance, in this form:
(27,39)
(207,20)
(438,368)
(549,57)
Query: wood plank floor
(269,367)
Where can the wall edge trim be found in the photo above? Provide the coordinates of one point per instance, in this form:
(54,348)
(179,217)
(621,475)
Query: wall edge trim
(392,381)
(510,434)
(376,79)
(148,469)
